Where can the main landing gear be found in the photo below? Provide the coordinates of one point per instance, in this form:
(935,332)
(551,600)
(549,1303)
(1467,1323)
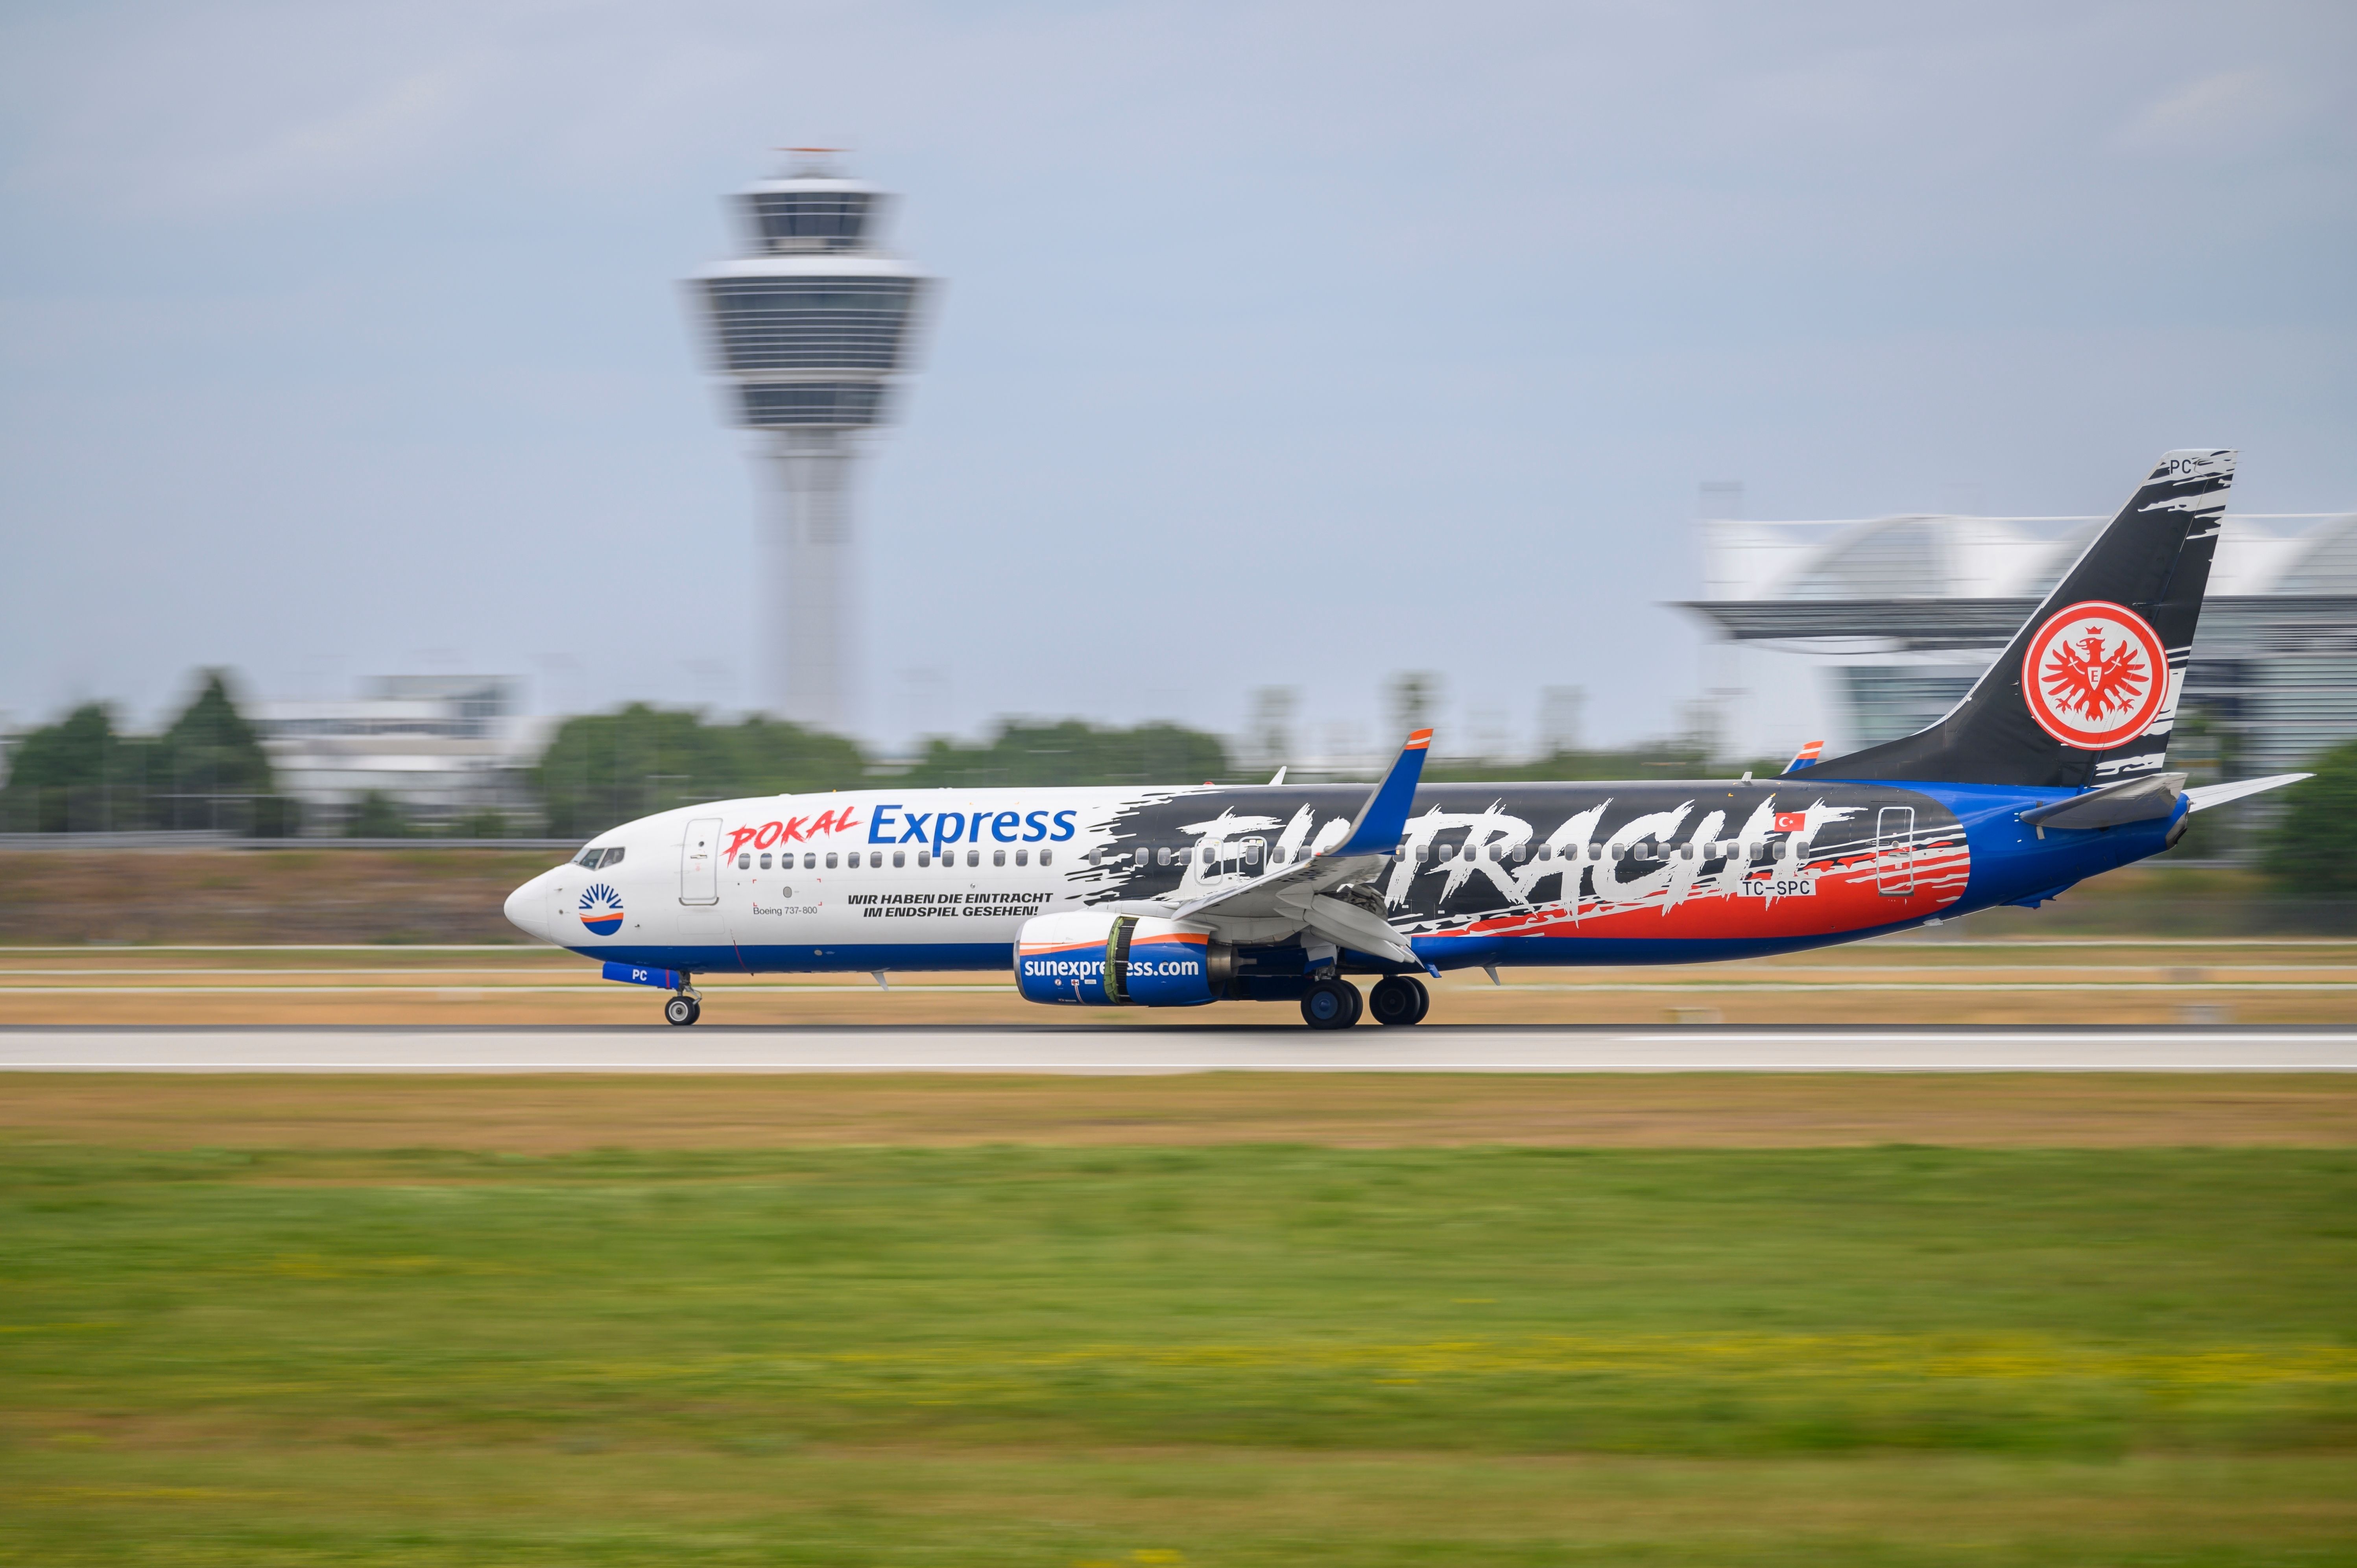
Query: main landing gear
(1400,999)
(685,1007)
(1331,1003)
(1334,1003)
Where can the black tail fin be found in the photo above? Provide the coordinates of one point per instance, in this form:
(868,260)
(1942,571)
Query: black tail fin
(2086,693)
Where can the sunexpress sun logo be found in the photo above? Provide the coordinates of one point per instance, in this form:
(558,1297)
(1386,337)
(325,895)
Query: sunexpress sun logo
(601,909)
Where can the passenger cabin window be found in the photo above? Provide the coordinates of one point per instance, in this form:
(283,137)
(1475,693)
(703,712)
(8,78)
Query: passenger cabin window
(899,858)
(829,860)
(1046,857)
(924,857)
(1022,857)
(745,862)
(1252,851)
(765,863)
(998,857)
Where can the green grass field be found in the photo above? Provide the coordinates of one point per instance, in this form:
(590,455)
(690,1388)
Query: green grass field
(1244,1355)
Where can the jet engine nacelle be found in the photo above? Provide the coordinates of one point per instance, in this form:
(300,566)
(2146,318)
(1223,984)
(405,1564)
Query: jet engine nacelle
(1097,959)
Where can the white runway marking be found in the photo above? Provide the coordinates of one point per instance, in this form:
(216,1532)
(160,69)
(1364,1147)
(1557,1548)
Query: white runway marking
(1171,1049)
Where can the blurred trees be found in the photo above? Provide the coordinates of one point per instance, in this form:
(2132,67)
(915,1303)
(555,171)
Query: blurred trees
(1072,753)
(1665,759)
(376,815)
(206,771)
(604,768)
(208,752)
(2312,849)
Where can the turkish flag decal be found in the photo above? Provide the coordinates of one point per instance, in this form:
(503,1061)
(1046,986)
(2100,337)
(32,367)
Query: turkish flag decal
(1791,822)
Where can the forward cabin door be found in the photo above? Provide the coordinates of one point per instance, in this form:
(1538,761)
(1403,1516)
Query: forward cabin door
(699,863)
(1894,850)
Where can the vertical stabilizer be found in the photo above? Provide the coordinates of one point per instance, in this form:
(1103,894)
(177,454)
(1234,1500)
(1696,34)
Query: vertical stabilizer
(2087,691)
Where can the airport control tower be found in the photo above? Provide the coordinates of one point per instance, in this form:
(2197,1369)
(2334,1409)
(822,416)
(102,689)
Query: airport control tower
(811,330)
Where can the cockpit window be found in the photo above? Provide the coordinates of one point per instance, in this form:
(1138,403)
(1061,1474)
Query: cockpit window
(597,857)
(613,857)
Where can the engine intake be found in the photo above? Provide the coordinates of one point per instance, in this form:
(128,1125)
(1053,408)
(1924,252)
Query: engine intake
(1094,959)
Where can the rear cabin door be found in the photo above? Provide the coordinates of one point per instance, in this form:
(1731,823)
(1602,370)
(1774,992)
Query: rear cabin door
(1894,850)
(699,863)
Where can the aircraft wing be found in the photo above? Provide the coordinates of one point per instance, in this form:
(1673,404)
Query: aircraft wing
(2203,797)
(1294,899)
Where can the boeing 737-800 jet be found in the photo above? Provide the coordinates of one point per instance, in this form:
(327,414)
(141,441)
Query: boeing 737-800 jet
(2051,769)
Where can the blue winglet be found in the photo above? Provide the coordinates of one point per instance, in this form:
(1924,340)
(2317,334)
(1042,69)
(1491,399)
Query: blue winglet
(1385,817)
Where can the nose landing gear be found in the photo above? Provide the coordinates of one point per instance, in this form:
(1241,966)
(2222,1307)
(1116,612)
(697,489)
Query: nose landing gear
(685,1007)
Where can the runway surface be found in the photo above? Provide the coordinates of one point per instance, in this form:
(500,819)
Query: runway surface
(1172,1049)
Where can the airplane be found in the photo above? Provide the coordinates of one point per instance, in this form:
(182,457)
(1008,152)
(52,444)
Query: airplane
(2051,769)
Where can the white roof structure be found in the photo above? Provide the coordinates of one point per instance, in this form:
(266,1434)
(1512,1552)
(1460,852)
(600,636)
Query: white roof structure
(437,744)
(1941,557)
(1892,618)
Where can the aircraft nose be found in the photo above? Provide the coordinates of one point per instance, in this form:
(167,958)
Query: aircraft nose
(526,910)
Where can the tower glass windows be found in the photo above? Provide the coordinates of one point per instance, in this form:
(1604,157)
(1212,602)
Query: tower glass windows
(769,404)
(810,323)
(810,220)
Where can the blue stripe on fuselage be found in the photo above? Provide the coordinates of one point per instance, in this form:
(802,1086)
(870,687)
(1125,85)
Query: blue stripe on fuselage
(2010,859)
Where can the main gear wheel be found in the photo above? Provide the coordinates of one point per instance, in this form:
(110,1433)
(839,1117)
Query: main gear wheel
(1331,1004)
(1400,999)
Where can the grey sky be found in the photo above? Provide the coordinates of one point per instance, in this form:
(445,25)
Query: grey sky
(1288,343)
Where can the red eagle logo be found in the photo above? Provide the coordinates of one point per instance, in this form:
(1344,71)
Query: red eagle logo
(2084,680)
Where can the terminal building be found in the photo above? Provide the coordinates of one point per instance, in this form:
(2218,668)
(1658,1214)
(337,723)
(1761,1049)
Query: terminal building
(440,747)
(1861,632)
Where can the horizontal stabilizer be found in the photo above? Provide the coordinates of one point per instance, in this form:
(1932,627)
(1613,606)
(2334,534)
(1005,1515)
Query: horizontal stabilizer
(2130,800)
(2209,794)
